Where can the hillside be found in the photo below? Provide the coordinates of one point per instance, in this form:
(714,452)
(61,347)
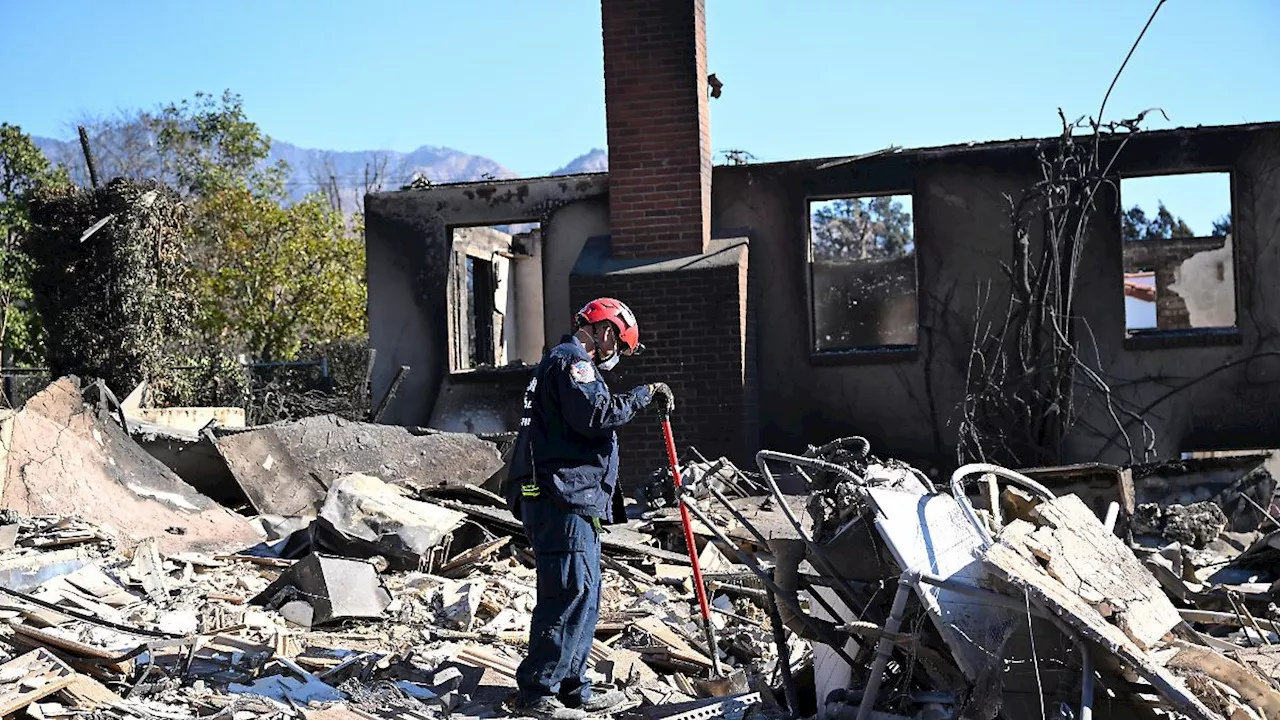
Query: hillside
(310,168)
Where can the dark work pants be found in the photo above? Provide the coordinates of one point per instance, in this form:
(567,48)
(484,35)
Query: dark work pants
(567,549)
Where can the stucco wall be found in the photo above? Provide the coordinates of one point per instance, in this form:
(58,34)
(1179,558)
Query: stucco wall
(570,229)
(407,246)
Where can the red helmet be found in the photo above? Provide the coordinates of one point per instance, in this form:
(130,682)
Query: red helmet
(616,312)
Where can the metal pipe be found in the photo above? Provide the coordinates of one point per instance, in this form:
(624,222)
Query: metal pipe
(765,542)
(1113,514)
(957,491)
(1220,618)
(773,547)
(977,593)
(788,554)
(760,573)
(784,655)
(1086,682)
(737,515)
(841,585)
(863,451)
(884,649)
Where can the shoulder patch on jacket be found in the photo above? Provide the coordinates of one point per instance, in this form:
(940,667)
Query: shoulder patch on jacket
(582,372)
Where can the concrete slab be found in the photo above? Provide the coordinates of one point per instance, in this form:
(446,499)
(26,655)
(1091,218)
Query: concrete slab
(64,460)
(364,516)
(286,468)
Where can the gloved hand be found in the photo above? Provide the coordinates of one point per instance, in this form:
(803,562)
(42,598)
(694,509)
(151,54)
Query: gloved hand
(663,396)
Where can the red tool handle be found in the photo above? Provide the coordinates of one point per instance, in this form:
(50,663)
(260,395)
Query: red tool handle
(698,585)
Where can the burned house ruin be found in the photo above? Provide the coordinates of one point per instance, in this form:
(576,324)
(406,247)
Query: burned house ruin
(770,339)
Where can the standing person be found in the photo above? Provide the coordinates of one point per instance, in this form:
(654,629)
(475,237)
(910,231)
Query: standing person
(563,475)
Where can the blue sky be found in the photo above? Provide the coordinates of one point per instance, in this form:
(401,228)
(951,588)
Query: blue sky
(520,81)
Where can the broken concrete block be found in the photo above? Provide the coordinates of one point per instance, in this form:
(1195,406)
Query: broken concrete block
(286,467)
(364,516)
(1100,571)
(459,602)
(336,588)
(1195,525)
(299,612)
(446,680)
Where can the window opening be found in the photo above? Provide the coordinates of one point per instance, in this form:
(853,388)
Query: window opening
(863,273)
(1179,271)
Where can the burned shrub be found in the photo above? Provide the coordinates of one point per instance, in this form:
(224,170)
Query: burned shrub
(108,278)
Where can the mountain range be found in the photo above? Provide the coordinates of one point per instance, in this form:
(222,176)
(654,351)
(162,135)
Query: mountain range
(351,171)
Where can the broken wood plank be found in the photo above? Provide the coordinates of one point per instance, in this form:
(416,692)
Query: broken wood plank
(992,486)
(30,677)
(263,561)
(148,568)
(88,694)
(475,554)
(1017,503)
(1252,689)
(483,658)
(42,638)
(676,645)
(93,580)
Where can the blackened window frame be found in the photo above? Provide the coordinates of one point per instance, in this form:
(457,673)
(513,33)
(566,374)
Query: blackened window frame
(1157,339)
(871,354)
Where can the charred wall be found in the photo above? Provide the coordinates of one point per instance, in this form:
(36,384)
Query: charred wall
(906,401)
(408,240)
(1200,389)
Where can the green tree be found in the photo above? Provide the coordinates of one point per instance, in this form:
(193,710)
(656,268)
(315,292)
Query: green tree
(859,229)
(208,143)
(275,276)
(1222,226)
(271,275)
(1137,227)
(23,169)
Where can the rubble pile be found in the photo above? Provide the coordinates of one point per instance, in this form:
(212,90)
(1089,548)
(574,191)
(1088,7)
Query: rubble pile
(408,595)
(187,634)
(373,572)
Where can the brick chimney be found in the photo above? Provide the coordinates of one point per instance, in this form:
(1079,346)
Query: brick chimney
(655,86)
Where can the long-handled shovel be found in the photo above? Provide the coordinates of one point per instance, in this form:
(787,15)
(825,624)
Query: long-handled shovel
(698,585)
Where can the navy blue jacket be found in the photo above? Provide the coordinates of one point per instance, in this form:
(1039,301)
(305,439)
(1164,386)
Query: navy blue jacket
(567,442)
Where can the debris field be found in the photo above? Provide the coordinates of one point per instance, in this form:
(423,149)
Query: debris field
(352,570)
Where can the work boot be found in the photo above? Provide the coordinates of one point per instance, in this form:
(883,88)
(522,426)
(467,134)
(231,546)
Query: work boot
(603,702)
(550,708)
(603,699)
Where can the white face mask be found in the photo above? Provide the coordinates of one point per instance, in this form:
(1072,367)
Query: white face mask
(611,363)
